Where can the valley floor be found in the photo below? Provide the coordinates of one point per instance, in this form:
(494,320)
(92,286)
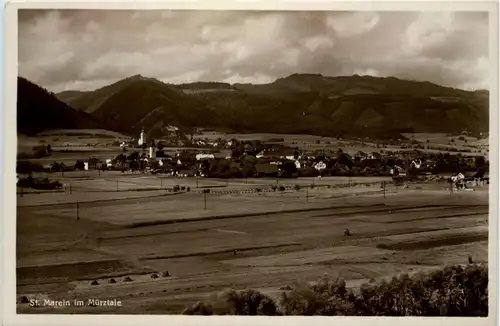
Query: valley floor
(260,241)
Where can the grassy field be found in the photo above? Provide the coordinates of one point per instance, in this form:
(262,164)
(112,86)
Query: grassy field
(278,237)
(311,143)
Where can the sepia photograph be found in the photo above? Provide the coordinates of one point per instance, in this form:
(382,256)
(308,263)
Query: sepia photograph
(254,162)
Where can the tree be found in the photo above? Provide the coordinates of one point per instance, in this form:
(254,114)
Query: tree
(296,153)
(121,158)
(479,162)
(79,165)
(134,156)
(288,168)
(236,152)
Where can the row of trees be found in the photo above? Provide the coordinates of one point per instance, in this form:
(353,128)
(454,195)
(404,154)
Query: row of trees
(452,291)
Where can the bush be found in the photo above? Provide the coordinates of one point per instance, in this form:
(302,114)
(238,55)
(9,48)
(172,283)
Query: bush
(230,302)
(24,299)
(176,188)
(297,187)
(188,189)
(452,291)
(282,188)
(274,187)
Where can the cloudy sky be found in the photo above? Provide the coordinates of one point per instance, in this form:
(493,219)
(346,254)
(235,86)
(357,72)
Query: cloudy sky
(85,49)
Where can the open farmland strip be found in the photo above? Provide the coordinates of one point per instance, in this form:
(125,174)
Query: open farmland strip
(427,218)
(102,202)
(207,253)
(243,215)
(217,217)
(413,208)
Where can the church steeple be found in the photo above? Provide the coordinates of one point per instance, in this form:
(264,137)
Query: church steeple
(142,138)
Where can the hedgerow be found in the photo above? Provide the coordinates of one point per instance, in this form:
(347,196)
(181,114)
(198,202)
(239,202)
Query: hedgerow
(452,291)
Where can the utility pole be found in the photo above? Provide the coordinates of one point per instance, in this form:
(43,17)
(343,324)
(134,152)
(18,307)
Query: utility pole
(161,183)
(383,185)
(307,194)
(77,210)
(205,192)
(197,181)
(116,185)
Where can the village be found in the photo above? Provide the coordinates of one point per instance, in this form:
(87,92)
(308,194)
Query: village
(229,158)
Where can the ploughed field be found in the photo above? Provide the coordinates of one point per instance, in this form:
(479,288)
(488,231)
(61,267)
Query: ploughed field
(263,241)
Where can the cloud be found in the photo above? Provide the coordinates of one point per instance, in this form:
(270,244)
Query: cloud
(85,49)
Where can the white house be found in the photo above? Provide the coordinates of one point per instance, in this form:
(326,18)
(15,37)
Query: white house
(320,166)
(458,177)
(202,156)
(416,163)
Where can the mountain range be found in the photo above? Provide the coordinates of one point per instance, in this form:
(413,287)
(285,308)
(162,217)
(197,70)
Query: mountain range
(348,106)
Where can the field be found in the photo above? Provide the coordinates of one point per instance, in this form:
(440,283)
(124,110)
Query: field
(262,240)
(311,142)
